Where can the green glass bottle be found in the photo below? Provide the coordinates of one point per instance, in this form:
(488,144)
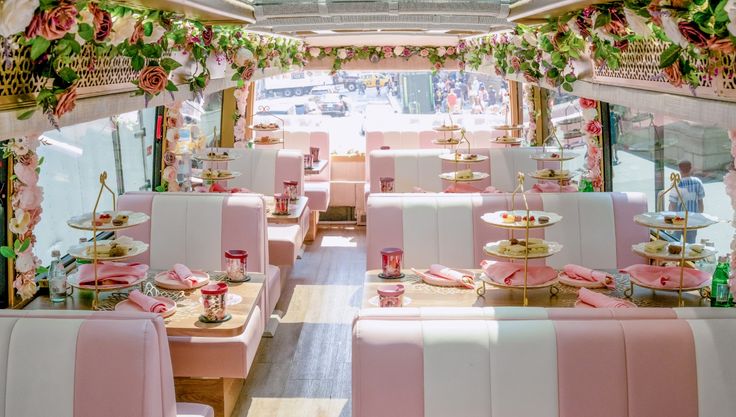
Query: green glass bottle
(719,293)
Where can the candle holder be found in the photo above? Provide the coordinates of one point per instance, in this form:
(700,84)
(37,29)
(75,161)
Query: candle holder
(385,148)
(314,151)
(391,261)
(308,161)
(387,184)
(291,190)
(214,301)
(281,207)
(236,265)
(391,296)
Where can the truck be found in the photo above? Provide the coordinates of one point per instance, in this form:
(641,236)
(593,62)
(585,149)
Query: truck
(295,83)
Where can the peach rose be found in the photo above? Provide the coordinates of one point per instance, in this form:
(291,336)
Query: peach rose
(58,22)
(674,75)
(153,80)
(138,33)
(102,21)
(67,101)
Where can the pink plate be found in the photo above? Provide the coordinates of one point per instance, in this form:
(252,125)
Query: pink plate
(73,280)
(163,280)
(579,283)
(129,306)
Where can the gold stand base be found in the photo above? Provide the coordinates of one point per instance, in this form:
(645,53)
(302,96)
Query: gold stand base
(219,393)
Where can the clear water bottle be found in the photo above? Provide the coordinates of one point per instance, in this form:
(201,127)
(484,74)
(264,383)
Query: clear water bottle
(57,279)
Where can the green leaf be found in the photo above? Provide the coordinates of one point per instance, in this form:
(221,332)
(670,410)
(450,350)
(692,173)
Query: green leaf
(7,252)
(39,45)
(86,31)
(567,87)
(669,56)
(603,19)
(148,28)
(138,62)
(41,270)
(40,160)
(570,78)
(160,189)
(26,114)
(171,86)
(25,245)
(16,246)
(67,74)
(170,64)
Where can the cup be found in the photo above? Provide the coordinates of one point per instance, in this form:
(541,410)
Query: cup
(387,184)
(308,161)
(214,301)
(236,265)
(282,204)
(314,151)
(291,190)
(391,295)
(391,260)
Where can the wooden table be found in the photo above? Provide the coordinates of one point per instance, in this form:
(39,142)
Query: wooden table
(317,167)
(423,295)
(296,209)
(185,322)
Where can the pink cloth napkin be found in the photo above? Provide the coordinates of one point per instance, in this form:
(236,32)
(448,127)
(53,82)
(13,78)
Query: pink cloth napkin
(491,190)
(146,303)
(218,188)
(446,277)
(552,187)
(182,273)
(508,273)
(582,273)
(116,272)
(599,300)
(460,188)
(666,276)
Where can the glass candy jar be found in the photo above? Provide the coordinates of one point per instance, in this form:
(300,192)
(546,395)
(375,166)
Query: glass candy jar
(236,265)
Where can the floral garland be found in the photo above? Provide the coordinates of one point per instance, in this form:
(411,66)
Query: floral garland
(593,130)
(531,132)
(437,56)
(26,212)
(241,103)
(174,121)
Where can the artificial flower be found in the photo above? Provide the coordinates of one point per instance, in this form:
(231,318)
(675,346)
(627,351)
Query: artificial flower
(207,35)
(674,75)
(594,127)
(441,51)
(26,286)
(102,21)
(66,102)
(451,50)
(461,65)
(248,70)
(153,80)
(342,53)
(515,63)
(26,174)
(399,50)
(424,53)
(18,147)
(638,24)
(122,29)
(137,34)
(58,21)
(693,34)
(25,261)
(30,197)
(437,66)
(388,54)
(16,15)
(244,55)
(672,30)
(587,103)
(18,225)
(156,34)
(388,50)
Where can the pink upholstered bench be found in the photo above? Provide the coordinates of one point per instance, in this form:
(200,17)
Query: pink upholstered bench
(196,229)
(597,229)
(519,363)
(88,364)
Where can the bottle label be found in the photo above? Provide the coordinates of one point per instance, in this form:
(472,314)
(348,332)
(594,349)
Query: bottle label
(721,293)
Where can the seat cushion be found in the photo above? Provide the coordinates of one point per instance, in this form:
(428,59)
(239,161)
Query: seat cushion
(318,193)
(283,243)
(194,410)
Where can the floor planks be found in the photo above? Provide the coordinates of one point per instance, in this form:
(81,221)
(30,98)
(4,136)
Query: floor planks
(304,370)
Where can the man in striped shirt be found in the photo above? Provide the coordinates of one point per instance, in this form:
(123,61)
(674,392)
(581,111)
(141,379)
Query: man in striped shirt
(692,192)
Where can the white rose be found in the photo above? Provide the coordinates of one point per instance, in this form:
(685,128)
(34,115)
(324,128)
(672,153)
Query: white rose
(342,53)
(601,34)
(669,25)
(590,114)
(242,56)
(531,38)
(441,51)
(19,147)
(516,41)
(15,15)
(398,50)
(314,52)
(730,9)
(20,221)
(638,24)
(156,34)
(122,29)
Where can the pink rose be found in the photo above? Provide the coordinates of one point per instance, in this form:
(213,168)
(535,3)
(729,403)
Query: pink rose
(26,174)
(588,103)
(424,53)
(594,127)
(138,33)
(515,63)
(388,54)
(437,66)
(102,22)
(388,50)
(461,65)
(58,21)
(66,102)
(450,50)
(25,262)
(30,197)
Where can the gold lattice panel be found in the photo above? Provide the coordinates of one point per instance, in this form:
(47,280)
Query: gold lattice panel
(97,74)
(640,69)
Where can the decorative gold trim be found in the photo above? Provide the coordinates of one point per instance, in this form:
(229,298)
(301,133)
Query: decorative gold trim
(8,215)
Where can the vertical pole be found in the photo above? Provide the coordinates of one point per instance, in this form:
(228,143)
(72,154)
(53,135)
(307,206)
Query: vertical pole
(515,106)
(227,128)
(159,146)
(250,110)
(7,269)
(658,157)
(543,114)
(604,112)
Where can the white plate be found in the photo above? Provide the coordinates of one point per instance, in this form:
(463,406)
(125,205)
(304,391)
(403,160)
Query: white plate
(664,255)
(452,158)
(233,174)
(492,249)
(73,280)
(230,299)
(507,127)
(80,251)
(446,142)
(221,158)
(375,301)
(656,220)
(129,306)
(268,142)
(163,280)
(84,222)
(507,140)
(450,176)
(578,282)
(444,128)
(538,176)
(496,220)
(547,156)
(264,129)
(488,280)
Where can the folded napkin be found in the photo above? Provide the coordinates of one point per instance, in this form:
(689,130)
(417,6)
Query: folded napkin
(512,274)
(599,300)
(182,273)
(112,272)
(552,187)
(582,273)
(218,188)
(666,276)
(460,188)
(443,276)
(146,303)
(491,190)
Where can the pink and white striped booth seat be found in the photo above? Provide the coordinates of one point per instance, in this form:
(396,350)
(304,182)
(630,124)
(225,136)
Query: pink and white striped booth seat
(422,139)
(88,364)
(196,230)
(527,362)
(597,229)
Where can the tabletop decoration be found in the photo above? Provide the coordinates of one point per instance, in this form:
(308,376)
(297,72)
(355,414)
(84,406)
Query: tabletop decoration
(241,109)
(214,303)
(236,265)
(25,204)
(391,261)
(387,184)
(391,295)
(281,206)
(593,130)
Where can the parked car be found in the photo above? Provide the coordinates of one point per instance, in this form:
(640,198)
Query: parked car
(334,105)
(322,90)
(371,80)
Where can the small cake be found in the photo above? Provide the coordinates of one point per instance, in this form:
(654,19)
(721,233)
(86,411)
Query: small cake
(223,173)
(516,250)
(503,244)
(655,246)
(118,250)
(555,155)
(465,174)
(103,249)
(543,220)
(530,220)
(469,156)
(674,248)
(104,218)
(696,247)
(678,220)
(537,248)
(120,220)
(669,218)
(507,218)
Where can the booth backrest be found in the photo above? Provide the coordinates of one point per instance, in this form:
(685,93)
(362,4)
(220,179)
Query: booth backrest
(410,168)
(422,139)
(85,364)
(321,140)
(196,229)
(264,170)
(521,363)
(597,229)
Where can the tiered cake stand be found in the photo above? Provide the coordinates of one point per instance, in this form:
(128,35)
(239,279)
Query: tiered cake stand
(508,140)
(554,156)
(273,127)
(445,129)
(496,220)
(465,160)
(655,220)
(87,222)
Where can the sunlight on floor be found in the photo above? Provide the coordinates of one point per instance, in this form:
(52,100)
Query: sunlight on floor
(334,301)
(298,407)
(338,242)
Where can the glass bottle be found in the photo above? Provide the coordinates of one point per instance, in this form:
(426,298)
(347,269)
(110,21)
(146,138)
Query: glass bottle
(719,293)
(57,279)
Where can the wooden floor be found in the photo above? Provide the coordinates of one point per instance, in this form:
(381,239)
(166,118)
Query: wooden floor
(304,370)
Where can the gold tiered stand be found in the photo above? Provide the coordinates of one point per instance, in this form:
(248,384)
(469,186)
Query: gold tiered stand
(451,128)
(267,111)
(76,224)
(547,157)
(457,157)
(508,140)
(655,220)
(526,226)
